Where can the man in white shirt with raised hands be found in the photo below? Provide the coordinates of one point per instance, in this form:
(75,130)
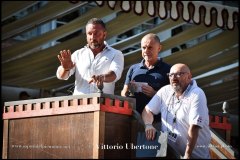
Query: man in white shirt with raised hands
(95,64)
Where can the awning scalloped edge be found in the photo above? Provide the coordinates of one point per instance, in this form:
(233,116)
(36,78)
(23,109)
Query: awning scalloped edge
(196,11)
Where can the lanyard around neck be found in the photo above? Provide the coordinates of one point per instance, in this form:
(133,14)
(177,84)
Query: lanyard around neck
(170,109)
(171,106)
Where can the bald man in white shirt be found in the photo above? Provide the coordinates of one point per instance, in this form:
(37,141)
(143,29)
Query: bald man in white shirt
(184,114)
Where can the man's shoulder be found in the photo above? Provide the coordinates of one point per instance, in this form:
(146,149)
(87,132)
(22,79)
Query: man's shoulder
(80,50)
(136,65)
(197,91)
(167,89)
(167,65)
(164,64)
(79,54)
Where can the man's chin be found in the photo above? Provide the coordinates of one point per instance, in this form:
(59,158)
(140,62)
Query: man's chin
(95,46)
(174,84)
(176,87)
(147,58)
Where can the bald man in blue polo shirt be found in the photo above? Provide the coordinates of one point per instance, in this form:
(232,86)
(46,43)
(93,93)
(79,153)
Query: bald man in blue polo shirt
(151,72)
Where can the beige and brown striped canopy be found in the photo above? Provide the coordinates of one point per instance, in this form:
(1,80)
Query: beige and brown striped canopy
(27,64)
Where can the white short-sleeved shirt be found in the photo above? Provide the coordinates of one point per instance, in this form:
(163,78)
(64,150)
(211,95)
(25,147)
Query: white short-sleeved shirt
(86,65)
(191,108)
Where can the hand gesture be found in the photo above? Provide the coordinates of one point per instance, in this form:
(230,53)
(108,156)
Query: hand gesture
(148,90)
(132,87)
(65,59)
(98,79)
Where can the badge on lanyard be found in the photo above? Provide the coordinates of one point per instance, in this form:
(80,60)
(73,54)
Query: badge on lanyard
(172,136)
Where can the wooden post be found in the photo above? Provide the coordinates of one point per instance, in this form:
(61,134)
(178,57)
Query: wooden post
(223,125)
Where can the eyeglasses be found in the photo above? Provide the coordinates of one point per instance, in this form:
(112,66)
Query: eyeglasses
(178,75)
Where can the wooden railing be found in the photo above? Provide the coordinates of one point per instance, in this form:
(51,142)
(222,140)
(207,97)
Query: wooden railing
(220,122)
(68,127)
(219,149)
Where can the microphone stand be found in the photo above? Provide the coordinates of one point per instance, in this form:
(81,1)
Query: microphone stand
(100,88)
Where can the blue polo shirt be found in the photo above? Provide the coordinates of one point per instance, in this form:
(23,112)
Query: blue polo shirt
(155,77)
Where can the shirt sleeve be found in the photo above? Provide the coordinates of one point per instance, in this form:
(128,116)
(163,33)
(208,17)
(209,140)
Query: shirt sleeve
(198,112)
(57,73)
(129,76)
(117,65)
(155,103)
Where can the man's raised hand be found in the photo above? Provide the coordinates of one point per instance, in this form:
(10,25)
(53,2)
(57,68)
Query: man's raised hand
(65,60)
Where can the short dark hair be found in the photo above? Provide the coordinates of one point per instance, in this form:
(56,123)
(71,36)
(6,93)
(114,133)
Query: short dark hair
(157,38)
(96,21)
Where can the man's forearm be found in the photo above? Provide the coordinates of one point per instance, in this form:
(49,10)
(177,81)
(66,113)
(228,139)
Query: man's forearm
(148,120)
(147,116)
(192,139)
(124,91)
(110,76)
(63,74)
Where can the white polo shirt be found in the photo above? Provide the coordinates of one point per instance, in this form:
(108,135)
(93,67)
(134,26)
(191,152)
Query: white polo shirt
(191,108)
(86,65)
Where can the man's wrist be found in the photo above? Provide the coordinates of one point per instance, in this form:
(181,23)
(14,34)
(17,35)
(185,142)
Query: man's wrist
(186,156)
(103,77)
(148,125)
(66,69)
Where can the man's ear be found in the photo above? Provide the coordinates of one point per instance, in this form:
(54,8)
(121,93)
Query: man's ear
(190,76)
(160,48)
(105,35)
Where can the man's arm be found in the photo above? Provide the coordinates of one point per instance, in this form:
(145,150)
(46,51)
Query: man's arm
(124,91)
(148,90)
(66,64)
(108,77)
(117,66)
(192,139)
(63,73)
(148,118)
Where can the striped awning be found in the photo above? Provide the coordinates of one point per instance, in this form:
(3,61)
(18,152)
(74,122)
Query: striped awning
(195,11)
(29,64)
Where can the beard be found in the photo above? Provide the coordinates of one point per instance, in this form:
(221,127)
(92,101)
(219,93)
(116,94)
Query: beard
(177,88)
(95,45)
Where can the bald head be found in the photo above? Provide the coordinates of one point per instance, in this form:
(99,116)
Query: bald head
(179,67)
(151,36)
